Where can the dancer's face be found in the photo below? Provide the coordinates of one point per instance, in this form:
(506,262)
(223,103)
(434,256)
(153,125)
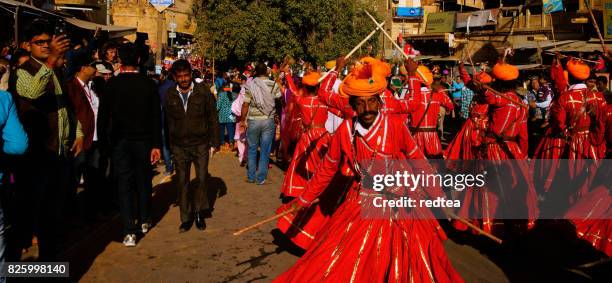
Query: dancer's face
(367,109)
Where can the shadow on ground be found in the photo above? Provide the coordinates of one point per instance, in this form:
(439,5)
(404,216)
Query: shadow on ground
(94,240)
(550,252)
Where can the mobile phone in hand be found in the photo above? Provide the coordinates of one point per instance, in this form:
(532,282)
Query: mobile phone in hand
(60,28)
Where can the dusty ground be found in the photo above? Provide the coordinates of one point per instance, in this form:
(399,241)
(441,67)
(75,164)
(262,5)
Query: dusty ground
(214,255)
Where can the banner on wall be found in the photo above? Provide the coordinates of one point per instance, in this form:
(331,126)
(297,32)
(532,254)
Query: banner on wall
(551,6)
(440,22)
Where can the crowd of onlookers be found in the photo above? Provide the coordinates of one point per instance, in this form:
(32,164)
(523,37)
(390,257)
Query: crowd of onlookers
(83,122)
(53,89)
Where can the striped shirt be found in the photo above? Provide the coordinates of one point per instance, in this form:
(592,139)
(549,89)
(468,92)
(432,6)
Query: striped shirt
(32,87)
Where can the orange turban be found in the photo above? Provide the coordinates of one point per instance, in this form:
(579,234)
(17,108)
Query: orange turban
(311,79)
(378,67)
(425,74)
(505,72)
(330,64)
(367,78)
(578,69)
(484,77)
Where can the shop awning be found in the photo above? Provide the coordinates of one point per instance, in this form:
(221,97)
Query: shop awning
(477,18)
(12,3)
(580,46)
(114,31)
(427,36)
(531,44)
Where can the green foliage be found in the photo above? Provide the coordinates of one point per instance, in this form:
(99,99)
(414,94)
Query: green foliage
(315,30)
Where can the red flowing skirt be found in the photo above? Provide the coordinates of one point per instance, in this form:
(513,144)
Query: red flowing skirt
(577,147)
(429,143)
(292,129)
(550,147)
(464,145)
(481,205)
(497,151)
(597,228)
(302,229)
(309,152)
(353,248)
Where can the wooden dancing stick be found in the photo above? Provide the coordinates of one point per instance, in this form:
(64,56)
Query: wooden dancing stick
(394,43)
(603,44)
(469,224)
(267,220)
(378,26)
(565,56)
(262,222)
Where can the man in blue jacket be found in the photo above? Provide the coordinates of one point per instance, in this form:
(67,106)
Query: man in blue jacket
(14,141)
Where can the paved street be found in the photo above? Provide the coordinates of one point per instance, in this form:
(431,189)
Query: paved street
(214,255)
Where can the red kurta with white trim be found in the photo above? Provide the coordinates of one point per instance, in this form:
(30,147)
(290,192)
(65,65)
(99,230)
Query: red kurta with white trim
(424,108)
(353,248)
(505,139)
(507,124)
(577,126)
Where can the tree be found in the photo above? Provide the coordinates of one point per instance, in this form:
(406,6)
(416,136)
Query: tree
(316,30)
(328,29)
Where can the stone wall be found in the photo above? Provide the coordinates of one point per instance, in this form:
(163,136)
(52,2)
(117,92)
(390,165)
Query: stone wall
(143,16)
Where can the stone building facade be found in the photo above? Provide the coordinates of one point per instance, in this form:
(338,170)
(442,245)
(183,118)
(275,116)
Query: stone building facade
(143,16)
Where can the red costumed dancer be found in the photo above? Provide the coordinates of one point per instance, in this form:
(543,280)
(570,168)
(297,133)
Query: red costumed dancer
(505,138)
(291,125)
(467,141)
(466,146)
(578,131)
(577,118)
(353,248)
(578,125)
(307,156)
(424,107)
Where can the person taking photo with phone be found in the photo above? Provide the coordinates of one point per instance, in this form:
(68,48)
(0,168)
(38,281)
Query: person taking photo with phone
(55,137)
